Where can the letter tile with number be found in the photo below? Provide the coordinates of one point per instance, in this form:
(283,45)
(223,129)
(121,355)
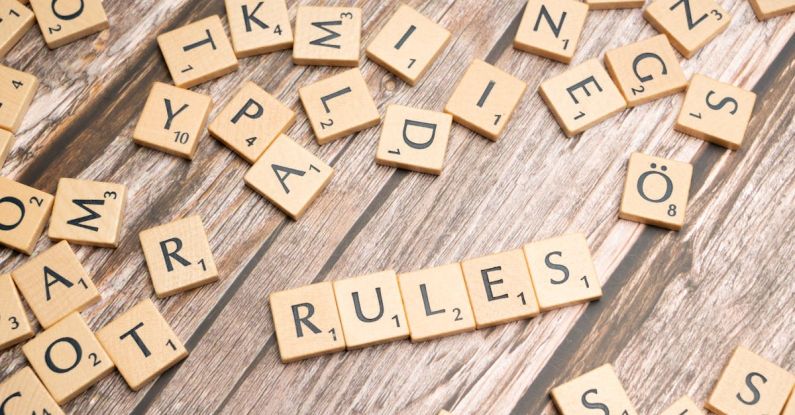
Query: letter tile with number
(63,21)
(23,213)
(88,212)
(597,390)
(414,139)
(14,324)
(656,191)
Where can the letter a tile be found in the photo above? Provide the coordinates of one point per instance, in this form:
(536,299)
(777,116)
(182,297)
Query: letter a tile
(23,393)
(63,22)
(14,324)
(15,21)
(88,212)
(258,26)
(597,390)
(766,9)
(551,28)
(656,191)
(327,36)
(684,406)
(23,213)
(17,90)
(689,24)
(414,139)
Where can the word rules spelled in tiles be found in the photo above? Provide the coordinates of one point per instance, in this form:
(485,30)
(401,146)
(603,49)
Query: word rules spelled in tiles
(684,406)
(258,26)
(63,22)
(88,212)
(595,391)
(689,24)
(551,28)
(656,191)
(23,393)
(17,89)
(23,213)
(14,324)
(327,36)
(15,20)
(414,139)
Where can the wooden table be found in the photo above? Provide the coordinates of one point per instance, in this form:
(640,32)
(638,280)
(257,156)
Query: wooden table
(675,304)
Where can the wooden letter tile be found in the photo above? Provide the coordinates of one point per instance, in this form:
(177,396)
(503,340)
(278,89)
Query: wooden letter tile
(17,90)
(141,344)
(198,52)
(339,106)
(689,24)
(408,44)
(684,406)
(68,358)
(582,97)
(614,4)
(15,20)
(178,256)
(63,22)
(562,271)
(14,324)
(436,302)
(55,284)
(597,390)
(371,309)
(551,28)
(327,36)
(87,212)
(289,176)
(716,112)
(499,288)
(258,26)
(23,393)
(172,120)
(656,191)
(414,139)
(306,322)
(6,142)
(251,121)
(23,213)
(646,70)
(485,99)
(765,9)
(750,384)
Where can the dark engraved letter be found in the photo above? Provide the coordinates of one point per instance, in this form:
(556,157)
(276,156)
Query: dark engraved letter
(173,254)
(170,114)
(487,283)
(414,144)
(647,55)
(92,214)
(56,279)
(545,14)
(133,332)
(584,85)
(258,111)
(428,310)
(331,34)
(75,346)
(249,17)
(749,381)
(310,311)
(357,305)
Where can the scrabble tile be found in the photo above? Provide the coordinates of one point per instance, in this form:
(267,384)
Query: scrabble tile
(562,271)
(408,44)
(614,4)
(684,406)
(306,322)
(15,20)
(750,384)
(172,120)
(23,393)
(766,9)
(656,191)
(23,213)
(251,121)
(14,324)
(17,90)
(6,142)
(485,99)
(716,112)
(327,36)
(436,302)
(258,26)
(790,408)
(371,309)
(339,105)
(178,256)
(62,23)
(582,97)
(198,52)
(689,24)
(68,358)
(551,28)
(55,284)
(289,176)
(597,390)
(414,139)
(88,212)
(500,289)
(646,70)
(141,344)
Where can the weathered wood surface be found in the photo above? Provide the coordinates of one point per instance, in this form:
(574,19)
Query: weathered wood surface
(675,303)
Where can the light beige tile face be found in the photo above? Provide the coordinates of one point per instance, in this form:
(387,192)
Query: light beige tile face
(614,4)
(689,24)
(408,44)
(790,408)
(750,384)
(436,302)
(6,142)
(88,212)
(646,70)
(582,97)
(766,9)
(17,90)
(172,120)
(23,393)
(485,99)
(551,28)
(656,191)
(198,52)
(597,390)
(339,106)
(63,22)
(327,36)
(178,256)
(371,309)
(684,406)
(68,358)
(306,321)
(14,324)
(499,288)
(250,122)
(55,284)
(141,344)
(16,20)
(258,26)
(414,139)
(716,112)
(23,213)
(562,271)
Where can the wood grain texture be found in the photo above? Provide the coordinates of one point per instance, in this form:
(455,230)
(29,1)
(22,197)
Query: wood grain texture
(675,303)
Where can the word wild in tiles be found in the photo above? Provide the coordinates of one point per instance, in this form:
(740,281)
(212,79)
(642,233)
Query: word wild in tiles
(87,212)
(63,22)
(14,324)
(327,36)
(656,191)
(23,213)
(684,406)
(23,393)
(15,21)
(414,139)
(551,28)
(258,26)
(597,390)
(17,89)
(689,24)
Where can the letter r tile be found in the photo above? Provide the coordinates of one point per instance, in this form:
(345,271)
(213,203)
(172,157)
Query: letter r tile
(597,390)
